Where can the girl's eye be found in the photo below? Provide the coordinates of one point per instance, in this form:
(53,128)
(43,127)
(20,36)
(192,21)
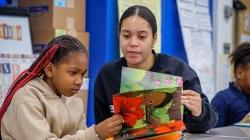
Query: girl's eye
(84,75)
(72,73)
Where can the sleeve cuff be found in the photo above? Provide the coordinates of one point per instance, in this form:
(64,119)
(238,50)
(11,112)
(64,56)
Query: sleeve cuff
(202,116)
(92,134)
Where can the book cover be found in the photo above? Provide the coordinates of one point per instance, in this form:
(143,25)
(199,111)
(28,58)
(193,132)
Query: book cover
(149,103)
(245,121)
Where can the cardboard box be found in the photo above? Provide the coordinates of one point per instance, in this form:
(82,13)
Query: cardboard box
(62,14)
(42,37)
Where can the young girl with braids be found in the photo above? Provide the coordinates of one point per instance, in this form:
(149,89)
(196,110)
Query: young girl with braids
(39,104)
(233,103)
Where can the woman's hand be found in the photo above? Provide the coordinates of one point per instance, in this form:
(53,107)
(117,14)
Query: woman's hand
(109,127)
(192,101)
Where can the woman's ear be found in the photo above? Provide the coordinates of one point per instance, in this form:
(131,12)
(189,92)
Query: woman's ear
(48,70)
(154,39)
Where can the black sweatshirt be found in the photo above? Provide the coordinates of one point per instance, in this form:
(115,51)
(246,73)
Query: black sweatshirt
(108,83)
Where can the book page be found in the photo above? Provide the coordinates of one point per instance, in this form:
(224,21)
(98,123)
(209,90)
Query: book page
(149,102)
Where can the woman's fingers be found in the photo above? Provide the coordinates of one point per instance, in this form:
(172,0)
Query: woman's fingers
(192,101)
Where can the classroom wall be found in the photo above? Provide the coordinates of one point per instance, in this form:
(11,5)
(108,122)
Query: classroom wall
(223,44)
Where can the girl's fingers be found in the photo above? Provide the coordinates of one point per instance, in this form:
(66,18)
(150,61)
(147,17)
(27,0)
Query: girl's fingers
(117,121)
(117,129)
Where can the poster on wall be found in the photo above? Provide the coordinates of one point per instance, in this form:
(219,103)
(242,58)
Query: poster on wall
(154,6)
(11,65)
(15,35)
(196,31)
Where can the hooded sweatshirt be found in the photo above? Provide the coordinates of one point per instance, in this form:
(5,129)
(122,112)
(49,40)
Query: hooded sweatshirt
(37,113)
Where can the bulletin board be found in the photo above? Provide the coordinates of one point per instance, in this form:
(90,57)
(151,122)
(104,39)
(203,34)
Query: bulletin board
(244,23)
(15,37)
(196,30)
(10,66)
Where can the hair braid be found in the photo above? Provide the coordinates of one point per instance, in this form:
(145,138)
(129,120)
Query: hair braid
(23,78)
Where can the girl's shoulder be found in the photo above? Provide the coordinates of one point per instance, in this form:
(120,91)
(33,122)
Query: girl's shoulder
(34,91)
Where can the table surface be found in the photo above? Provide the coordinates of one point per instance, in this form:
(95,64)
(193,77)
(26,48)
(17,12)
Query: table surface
(223,133)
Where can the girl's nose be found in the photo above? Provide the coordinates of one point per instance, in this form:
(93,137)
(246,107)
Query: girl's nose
(78,80)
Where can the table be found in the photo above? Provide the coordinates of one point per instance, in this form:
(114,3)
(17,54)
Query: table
(223,133)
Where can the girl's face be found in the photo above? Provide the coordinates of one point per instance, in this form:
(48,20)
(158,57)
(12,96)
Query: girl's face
(136,41)
(68,76)
(243,78)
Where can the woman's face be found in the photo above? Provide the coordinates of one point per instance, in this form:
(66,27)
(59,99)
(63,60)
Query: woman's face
(136,41)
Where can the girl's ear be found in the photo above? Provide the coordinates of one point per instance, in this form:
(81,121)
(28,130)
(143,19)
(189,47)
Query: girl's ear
(239,73)
(48,69)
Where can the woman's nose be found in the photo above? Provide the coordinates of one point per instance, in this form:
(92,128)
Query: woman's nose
(133,41)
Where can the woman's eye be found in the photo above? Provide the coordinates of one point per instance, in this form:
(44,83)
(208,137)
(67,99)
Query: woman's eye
(126,36)
(142,37)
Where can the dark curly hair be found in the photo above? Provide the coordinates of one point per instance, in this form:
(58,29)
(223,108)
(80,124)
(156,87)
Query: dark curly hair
(240,57)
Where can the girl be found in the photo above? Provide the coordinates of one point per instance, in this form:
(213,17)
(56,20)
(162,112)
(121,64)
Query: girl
(137,34)
(39,104)
(233,103)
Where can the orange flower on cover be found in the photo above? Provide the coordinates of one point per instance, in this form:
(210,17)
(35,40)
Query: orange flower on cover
(139,132)
(129,108)
(170,127)
(179,125)
(162,129)
(118,102)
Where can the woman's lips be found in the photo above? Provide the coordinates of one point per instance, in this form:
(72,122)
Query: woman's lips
(132,53)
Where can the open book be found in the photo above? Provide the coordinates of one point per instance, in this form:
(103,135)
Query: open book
(245,121)
(149,103)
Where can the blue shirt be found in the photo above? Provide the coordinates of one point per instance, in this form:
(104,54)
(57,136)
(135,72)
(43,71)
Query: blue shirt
(231,104)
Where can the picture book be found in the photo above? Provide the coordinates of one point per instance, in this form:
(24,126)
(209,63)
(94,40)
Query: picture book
(149,103)
(245,121)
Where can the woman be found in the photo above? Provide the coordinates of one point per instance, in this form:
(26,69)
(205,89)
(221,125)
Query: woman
(137,35)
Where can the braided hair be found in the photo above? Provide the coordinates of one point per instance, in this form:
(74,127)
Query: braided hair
(240,57)
(56,52)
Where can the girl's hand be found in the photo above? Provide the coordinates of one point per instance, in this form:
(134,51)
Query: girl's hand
(192,101)
(109,127)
